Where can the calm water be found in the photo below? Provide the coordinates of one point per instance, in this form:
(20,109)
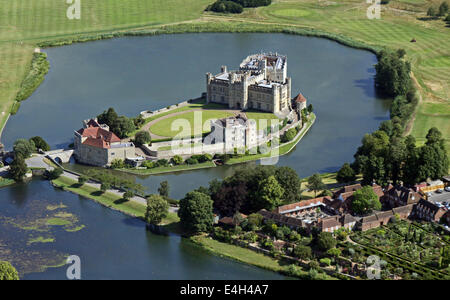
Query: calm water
(110,246)
(135,74)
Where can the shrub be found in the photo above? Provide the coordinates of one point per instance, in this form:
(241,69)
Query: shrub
(302,252)
(148,164)
(176,160)
(162,163)
(222,6)
(289,135)
(191,161)
(55,173)
(325,261)
(118,164)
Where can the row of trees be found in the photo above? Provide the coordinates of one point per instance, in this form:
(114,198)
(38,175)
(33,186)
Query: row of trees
(235,6)
(387,158)
(440,11)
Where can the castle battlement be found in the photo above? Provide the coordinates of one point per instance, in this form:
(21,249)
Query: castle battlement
(260,83)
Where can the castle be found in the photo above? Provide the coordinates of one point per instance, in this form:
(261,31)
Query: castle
(261,83)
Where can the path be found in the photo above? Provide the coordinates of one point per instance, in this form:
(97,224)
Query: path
(38,162)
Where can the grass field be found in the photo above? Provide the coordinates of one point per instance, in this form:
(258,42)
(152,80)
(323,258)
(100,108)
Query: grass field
(26,23)
(201,124)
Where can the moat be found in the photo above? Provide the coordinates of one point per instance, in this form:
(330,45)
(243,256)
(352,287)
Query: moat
(136,74)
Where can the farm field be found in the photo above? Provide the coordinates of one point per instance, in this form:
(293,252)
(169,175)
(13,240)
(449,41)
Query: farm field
(27,23)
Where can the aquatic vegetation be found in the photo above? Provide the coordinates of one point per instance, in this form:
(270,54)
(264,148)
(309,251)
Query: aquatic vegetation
(40,239)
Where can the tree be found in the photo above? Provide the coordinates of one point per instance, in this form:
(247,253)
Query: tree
(176,160)
(108,117)
(82,179)
(229,198)
(345,174)
(142,137)
(325,241)
(7,271)
(310,108)
(365,200)
(163,189)
(157,209)
(128,195)
(196,212)
(290,182)
(302,252)
(18,168)
(122,126)
(443,9)
(270,193)
(315,183)
(431,12)
(24,147)
(105,186)
(432,161)
(40,143)
(55,173)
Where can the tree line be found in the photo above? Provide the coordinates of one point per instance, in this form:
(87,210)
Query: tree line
(235,6)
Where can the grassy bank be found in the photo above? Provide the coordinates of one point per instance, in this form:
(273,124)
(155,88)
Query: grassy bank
(247,256)
(239,254)
(114,201)
(6,182)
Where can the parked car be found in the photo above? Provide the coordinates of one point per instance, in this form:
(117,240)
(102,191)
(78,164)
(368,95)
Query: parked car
(447,188)
(439,191)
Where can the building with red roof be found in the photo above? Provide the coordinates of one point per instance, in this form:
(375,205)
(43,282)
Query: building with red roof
(95,145)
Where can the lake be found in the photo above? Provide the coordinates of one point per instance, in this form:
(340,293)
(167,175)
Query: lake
(147,73)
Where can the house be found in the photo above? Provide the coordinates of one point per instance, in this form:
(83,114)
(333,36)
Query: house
(235,132)
(395,196)
(333,223)
(343,198)
(95,145)
(428,211)
(297,208)
(280,220)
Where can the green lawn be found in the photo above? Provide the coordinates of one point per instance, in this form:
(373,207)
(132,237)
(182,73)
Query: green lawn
(201,125)
(429,115)
(25,23)
(258,116)
(238,253)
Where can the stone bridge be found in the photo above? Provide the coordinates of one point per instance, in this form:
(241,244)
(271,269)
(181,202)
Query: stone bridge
(60,156)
